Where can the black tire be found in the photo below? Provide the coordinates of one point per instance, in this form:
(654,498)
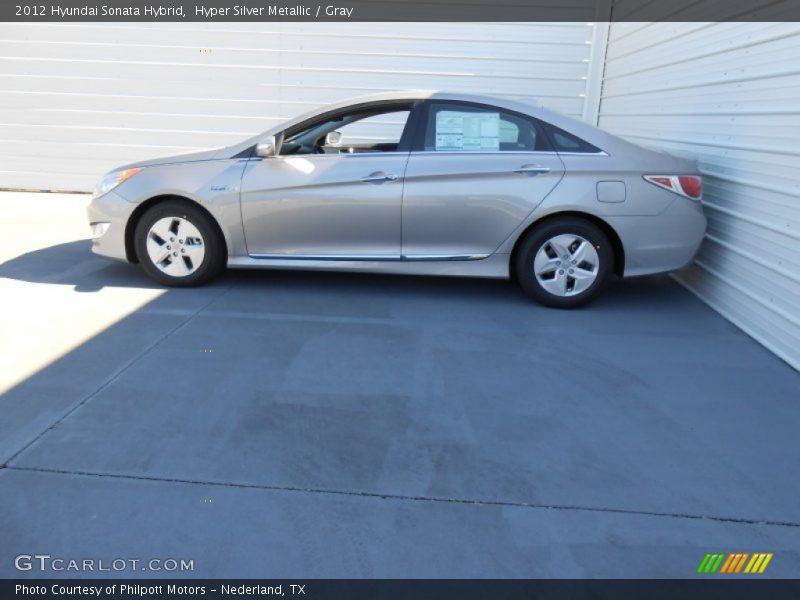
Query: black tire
(213,261)
(535,240)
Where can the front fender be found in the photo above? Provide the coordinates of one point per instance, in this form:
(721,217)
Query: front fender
(213,184)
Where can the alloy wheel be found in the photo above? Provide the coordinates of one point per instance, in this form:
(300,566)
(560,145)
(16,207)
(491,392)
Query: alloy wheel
(566,265)
(175,246)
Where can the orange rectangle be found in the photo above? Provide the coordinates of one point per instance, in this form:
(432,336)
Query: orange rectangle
(728,561)
(741,562)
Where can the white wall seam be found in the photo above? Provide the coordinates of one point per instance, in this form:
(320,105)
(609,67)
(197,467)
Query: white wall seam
(594,79)
(597,62)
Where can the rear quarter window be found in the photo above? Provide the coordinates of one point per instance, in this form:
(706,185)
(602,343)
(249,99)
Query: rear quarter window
(566,142)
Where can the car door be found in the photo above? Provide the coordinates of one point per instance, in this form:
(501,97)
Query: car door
(333,202)
(475,173)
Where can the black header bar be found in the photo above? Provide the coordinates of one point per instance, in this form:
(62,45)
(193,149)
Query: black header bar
(397,10)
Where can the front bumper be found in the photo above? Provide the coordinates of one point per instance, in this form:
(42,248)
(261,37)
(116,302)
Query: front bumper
(112,209)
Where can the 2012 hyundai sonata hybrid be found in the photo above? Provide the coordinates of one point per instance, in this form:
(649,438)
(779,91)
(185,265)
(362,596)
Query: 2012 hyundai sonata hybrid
(412,182)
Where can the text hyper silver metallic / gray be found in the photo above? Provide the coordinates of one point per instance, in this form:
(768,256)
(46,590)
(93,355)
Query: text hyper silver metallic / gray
(412,182)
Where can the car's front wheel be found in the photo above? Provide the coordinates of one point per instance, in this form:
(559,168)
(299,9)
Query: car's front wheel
(564,262)
(177,244)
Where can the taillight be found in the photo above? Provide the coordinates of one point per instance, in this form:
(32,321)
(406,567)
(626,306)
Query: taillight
(689,186)
(692,186)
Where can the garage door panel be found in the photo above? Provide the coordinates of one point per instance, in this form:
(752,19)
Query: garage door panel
(322,51)
(565,96)
(767,245)
(286,37)
(67,133)
(125,86)
(649,47)
(141,120)
(20,154)
(118,61)
(199,76)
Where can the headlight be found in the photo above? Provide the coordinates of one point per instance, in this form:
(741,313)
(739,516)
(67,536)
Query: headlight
(112,180)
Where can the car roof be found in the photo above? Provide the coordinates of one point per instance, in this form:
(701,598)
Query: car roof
(401,95)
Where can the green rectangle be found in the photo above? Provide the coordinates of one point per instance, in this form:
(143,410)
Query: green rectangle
(716,564)
(701,566)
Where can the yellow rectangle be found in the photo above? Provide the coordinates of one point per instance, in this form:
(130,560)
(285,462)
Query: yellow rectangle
(755,558)
(765,563)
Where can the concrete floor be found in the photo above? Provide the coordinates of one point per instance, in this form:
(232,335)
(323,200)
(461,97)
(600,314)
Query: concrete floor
(304,425)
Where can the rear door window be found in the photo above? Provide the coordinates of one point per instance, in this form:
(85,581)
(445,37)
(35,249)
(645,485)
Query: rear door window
(462,127)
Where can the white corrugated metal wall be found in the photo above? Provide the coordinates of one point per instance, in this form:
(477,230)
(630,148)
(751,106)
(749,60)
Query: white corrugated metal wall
(729,95)
(77,99)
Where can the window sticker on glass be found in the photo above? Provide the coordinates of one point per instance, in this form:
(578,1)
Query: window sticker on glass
(467,130)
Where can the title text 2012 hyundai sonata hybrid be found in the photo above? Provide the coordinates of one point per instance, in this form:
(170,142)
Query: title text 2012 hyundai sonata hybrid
(412,182)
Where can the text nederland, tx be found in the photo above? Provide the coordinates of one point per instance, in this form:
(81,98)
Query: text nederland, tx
(206,12)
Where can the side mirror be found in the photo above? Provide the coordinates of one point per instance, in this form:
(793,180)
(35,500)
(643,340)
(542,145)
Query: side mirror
(267,148)
(334,139)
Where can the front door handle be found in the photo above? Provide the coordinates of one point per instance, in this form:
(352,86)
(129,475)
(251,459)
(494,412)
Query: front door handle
(378,177)
(532,170)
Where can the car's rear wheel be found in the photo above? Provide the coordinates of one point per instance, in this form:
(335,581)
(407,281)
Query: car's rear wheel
(177,244)
(564,262)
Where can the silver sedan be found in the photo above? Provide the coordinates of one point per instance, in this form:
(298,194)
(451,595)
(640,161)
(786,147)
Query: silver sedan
(412,182)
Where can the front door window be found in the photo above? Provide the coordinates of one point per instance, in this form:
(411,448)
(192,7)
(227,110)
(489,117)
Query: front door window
(367,130)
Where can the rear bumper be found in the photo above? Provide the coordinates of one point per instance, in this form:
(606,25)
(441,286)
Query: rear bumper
(114,210)
(664,242)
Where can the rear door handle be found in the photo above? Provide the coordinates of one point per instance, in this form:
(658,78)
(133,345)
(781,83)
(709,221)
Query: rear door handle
(378,177)
(532,170)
